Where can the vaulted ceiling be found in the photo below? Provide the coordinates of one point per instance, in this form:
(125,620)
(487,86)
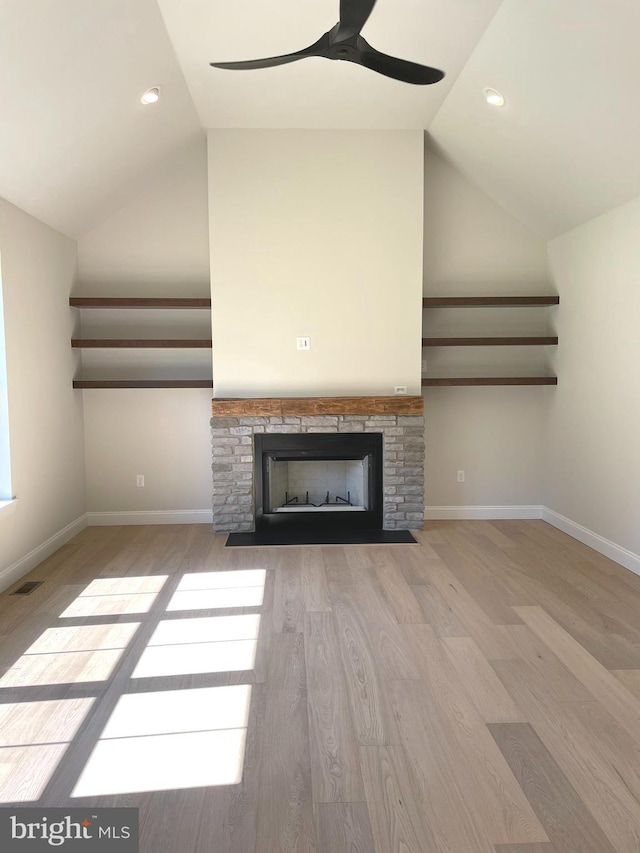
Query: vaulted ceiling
(75,139)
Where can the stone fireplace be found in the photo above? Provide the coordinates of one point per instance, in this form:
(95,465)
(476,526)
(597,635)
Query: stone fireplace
(243,430)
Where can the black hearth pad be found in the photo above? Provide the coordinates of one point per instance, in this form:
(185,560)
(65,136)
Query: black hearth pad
(320,537)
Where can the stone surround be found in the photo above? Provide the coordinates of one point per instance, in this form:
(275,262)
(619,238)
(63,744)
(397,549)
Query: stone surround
(233,462)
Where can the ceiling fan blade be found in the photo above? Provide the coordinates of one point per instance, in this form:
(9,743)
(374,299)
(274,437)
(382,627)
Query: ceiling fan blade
(398,69)
(317,49)
(353,16)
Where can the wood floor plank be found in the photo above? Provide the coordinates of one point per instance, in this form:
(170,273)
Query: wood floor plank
(449,809)
(630,678)
(493,532)
(437,612)
(261,666)
(579,583)
(229,813)
(395,590)
(335,767)
(369,712)
(568,822)
(576,613)
(541,531)
(386,640)
(169,820)
(604,686)
(476,563)
(595,778)
(609,740)
(527,848)
(315,589)
(432,532)
(285,814)
(410,560)
(482,772)
(395,814)
(343,828)
(337,570)
(288,605)
(487,692)
(560,683)
(492,642)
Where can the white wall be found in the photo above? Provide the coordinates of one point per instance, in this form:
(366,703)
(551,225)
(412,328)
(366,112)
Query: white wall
(156,245)
(593,447)
(45,414)
(315,233)
(473,247)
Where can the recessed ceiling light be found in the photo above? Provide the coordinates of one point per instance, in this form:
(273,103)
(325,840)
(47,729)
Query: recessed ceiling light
(494,97)
(151,95)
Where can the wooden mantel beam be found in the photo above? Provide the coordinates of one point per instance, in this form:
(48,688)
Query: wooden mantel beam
(225,407)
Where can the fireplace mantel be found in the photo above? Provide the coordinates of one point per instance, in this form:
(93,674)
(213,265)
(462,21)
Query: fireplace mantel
(238,407)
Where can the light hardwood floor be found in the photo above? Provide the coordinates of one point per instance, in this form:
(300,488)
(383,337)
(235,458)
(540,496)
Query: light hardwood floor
(478,692)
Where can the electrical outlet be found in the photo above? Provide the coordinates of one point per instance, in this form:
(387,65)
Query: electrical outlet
(399,389)
(461,476)
(303,343)
(140,480)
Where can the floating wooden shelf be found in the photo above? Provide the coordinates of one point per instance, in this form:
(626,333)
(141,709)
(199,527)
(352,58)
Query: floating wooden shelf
(141,343)
(136,343)
(495,380)
(134,302)
(143,383)
(489,342)
(487,301)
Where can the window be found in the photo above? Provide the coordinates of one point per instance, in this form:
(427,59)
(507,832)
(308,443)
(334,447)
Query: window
(5,459)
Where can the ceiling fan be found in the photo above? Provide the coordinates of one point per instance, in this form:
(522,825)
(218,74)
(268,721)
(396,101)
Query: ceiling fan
(345,42)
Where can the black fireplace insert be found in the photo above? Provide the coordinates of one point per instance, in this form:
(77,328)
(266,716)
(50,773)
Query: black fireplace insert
(318,480)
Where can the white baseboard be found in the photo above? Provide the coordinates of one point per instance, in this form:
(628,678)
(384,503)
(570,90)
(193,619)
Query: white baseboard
(482,512)
(160,516)
(18,570)
(604,546)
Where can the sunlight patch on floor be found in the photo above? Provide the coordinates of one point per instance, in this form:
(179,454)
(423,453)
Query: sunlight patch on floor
(114,596)
(220,580)
(204,590)
(206,629)
(71,655)
(62,668)
(33,738)
(204,599)
(83,638)
(196,658)
(177,711)
(126,585)
(170,740)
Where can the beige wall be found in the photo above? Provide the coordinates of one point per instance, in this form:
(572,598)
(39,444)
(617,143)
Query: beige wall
(593,448)
(494,434)
(45,414)
(156,245)
(315,233)
(161,433)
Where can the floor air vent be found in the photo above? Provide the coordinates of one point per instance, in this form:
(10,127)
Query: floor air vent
(27,588)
